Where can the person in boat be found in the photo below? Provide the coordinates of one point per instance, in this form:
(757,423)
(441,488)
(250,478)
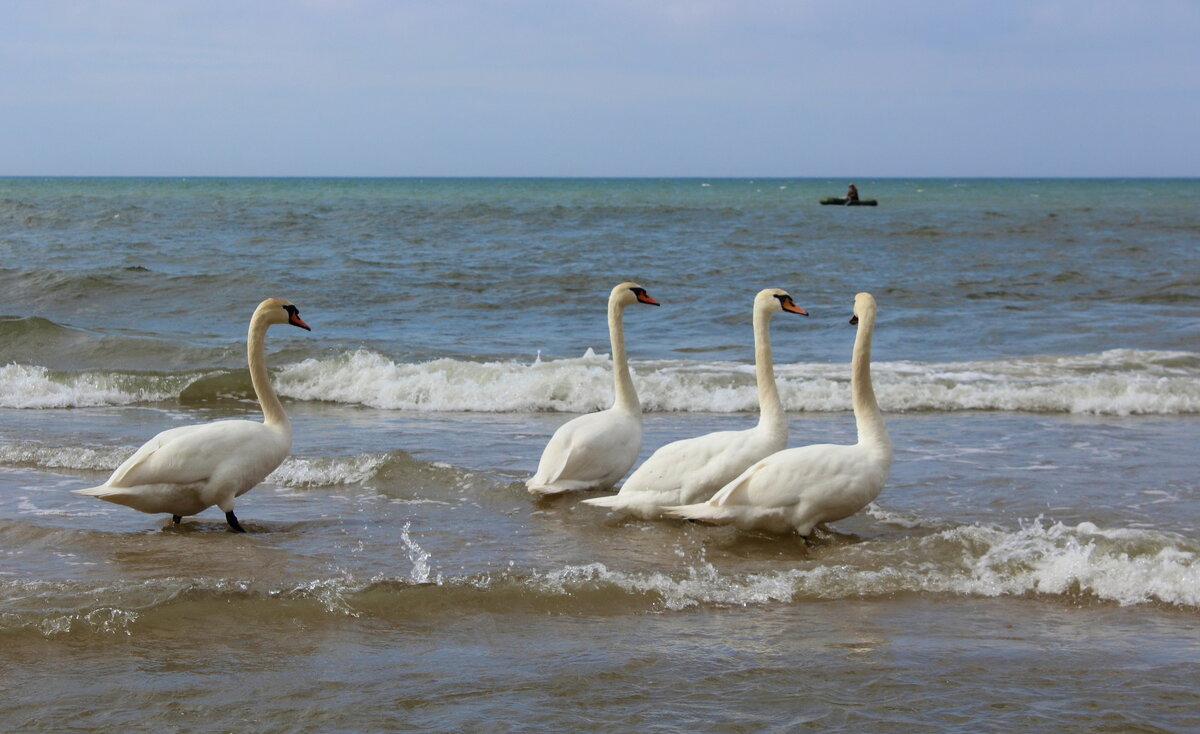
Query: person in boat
(852,195)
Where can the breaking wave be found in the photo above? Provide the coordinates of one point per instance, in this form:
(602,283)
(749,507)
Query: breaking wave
(24,386)
(1074,563)
(1114,382)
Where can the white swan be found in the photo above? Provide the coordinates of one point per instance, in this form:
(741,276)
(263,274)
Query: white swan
(595,450)
(692,469)
(797,489)
(188,469)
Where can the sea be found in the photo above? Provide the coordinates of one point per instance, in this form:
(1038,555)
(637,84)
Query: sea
(1032,564)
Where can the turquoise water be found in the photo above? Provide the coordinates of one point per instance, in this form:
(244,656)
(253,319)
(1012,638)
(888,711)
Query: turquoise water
(475,268)
(1031,564)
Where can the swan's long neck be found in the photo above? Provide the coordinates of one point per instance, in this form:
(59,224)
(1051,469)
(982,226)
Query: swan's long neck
(867,416)
(770,410)
(626,396)
(255,356)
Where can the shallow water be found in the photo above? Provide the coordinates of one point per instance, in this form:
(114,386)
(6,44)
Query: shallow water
(1031,564)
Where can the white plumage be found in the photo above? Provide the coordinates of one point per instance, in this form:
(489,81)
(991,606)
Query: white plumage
(185,470)
(595,450)
(693,469)
(797,489)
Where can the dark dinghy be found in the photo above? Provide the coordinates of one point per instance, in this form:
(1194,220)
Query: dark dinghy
(841,201)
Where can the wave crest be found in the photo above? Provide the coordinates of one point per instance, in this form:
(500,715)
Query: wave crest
(1115,382)
(24,386)
(1115,565)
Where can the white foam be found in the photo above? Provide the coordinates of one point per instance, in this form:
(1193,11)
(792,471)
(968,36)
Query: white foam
(702,585)
(330,593)
(370,379)
(1125,566)
(900,518)
(25,386)
(1120,565)
(107,620)
(1117,382)
(63,457)
(303,471)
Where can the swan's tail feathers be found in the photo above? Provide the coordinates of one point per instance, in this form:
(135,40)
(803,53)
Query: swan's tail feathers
(631,506)
(701,512)
(103,491)
(543,490)
(116,495)
(548,489)
(610,501)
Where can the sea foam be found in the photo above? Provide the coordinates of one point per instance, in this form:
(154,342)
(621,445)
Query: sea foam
(1125,566)
(33,386)
(1071,562)
(306,472)
(1114,382)
(29,453)
(1117,382)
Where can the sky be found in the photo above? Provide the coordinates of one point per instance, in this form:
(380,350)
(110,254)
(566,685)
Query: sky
(865,88)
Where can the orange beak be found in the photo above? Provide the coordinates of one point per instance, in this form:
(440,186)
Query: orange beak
(644,297)
(790,305)
(295,320)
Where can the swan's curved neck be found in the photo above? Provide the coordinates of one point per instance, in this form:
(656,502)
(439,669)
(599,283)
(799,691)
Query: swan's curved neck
(770,409)
(867,416)
(625,395)
(273,414)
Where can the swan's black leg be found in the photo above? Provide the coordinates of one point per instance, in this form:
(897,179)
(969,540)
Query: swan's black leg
(175,519)
(233,523)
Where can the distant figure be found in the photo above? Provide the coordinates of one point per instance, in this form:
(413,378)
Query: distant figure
(852,195)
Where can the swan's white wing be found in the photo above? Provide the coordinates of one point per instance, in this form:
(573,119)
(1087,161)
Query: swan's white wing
(794,490)
(193,454)
(589,449)
(556,456)
(668,466)
(131,470)
(598,443)
(783,478)
(692,469)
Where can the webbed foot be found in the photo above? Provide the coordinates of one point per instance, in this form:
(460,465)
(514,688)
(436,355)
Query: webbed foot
(175,519)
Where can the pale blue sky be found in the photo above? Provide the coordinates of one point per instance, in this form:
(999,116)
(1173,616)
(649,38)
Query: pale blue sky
(600,88)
